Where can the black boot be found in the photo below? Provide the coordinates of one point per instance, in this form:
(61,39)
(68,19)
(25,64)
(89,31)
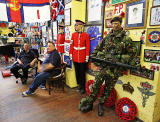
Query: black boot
(100,110)
(86,108)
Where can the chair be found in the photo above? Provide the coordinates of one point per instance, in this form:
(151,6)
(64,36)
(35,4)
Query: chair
(57,81)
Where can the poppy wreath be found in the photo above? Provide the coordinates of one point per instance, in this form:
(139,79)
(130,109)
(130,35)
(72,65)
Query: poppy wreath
(126,109)
(111,99)
(89,86)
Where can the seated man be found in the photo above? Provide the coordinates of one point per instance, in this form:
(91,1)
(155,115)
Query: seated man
(25,60)
(48,67)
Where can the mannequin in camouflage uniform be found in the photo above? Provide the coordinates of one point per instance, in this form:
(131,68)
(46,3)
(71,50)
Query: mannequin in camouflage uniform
(115,47)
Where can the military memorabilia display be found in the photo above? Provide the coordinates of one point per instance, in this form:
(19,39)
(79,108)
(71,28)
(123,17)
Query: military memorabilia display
(144,73)
(156,2)
(67,1)
(55,30)
(117,1)
(153,38)
(127,87)
(145,91)
(136,14)
(67,61)
(155,16)
(126,109)
(109,14)
(108,23)
(152,56)
(67,16)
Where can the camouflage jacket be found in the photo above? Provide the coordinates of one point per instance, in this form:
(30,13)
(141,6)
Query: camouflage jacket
(116,46)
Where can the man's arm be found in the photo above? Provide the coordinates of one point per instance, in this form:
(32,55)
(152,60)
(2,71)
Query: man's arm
(33,62)
(19,61)
(46,67)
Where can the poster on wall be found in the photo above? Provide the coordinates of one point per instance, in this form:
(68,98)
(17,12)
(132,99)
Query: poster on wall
(94,6)
(156,2)
(67,17)
(119,8)
(109,14)
(55,30)
(117,1)
(67,61)
(153,37)
(66,48)
(108,23)
(136,11)
(155,16)
(95,34)
(44,31)
(67,33)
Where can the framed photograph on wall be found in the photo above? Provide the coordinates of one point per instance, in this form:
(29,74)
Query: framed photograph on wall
(136,14)
(67,16)
(109,14)
(94,10)
(108,23)
(152,56)
(55,30)
(67,1)
(155,16)
(156,2)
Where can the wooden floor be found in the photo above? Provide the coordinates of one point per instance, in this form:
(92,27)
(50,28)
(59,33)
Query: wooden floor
(41,107)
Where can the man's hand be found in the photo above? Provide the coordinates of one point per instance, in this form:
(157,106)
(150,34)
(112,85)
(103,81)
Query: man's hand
(70,56)
(33,62)
(87,57)
(19,61)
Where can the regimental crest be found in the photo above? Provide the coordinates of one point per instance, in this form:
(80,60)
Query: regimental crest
(154,36)
(145,91)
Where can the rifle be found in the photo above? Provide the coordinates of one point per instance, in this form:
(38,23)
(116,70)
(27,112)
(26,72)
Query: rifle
(111,63)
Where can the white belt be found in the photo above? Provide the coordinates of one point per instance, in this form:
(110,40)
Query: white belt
(79,48)
(60,44)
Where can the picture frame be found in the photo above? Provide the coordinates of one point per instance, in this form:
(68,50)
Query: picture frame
(67,16)
(152,56)
(152,38)
(137,11)
(144,73)
(109,14)
(55,30)
(67,1)
(156,3)
(92,7)
(67,60)
(108,23)
(155,16)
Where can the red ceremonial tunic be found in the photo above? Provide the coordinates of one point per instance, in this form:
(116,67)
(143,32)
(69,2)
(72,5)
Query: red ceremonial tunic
(60,43)
(80,47)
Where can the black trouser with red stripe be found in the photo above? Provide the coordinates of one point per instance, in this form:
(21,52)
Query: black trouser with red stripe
(80,69)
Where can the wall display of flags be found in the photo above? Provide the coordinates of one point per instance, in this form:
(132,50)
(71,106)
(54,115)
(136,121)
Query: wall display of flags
(24,11)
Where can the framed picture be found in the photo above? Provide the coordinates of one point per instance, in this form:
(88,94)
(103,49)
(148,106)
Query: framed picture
(152,56)
(67,1)
(153,35)
(108,23)
(67,16)
(55,29)
(136,14)
(144,73)
(109,14)
(156,2)
(67,61)
(155,16)
(94,10)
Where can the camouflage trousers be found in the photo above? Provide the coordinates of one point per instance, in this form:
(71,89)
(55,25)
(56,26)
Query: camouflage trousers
(110,77)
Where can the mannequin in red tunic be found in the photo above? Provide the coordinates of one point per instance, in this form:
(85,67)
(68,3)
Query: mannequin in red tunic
(60,41)
(79,53)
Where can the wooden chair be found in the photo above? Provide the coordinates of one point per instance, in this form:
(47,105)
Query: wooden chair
(57,81)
